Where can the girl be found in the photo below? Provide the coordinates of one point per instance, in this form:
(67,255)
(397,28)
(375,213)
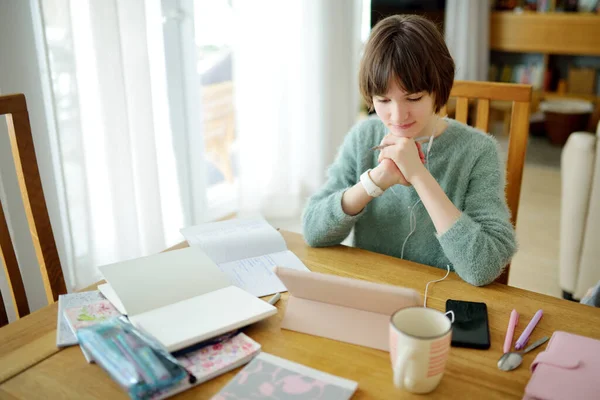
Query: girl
(440,203)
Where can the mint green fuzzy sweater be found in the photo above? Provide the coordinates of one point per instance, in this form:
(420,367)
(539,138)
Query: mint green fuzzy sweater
(466,164)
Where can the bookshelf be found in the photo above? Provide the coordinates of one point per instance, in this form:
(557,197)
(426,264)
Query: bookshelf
(548,34)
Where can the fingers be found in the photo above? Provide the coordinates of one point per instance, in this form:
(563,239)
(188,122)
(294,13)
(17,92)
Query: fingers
(390,140)
(394,172)
(388,152)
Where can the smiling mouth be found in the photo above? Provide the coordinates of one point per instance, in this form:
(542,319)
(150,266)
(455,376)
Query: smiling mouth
(405,126)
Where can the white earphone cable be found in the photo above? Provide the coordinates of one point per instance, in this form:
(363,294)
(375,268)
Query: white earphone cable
(412,217)
(438,280)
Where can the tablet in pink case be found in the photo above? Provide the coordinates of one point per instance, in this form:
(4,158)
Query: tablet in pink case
(345,309)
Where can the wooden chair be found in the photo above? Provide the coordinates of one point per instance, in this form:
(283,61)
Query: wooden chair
(28,176)
(520,96)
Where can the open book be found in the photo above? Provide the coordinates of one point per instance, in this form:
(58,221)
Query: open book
(180,297)
(247,250)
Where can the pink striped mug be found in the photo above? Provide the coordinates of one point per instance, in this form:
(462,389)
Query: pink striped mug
(419,347)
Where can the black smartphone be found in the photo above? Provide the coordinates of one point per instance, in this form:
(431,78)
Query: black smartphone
(470,328)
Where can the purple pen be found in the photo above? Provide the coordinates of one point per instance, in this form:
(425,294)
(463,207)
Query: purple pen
(524,338)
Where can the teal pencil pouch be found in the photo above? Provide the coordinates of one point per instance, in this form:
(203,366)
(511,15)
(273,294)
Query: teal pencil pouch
(133,359)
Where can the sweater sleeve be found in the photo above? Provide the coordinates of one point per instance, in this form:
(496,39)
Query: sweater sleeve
(324,222)
(482,241)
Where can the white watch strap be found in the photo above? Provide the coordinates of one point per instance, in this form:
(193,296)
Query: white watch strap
(370,187)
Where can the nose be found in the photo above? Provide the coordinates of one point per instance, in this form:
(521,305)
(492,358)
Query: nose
(399,114)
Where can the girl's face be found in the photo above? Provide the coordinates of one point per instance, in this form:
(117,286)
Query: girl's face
(405,114)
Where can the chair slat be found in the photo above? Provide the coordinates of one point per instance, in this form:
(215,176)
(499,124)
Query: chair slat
(503,278)
(517,147)
(483,115)
(462,109)
(3,316)
(30,184)
(11,269)
(492,91)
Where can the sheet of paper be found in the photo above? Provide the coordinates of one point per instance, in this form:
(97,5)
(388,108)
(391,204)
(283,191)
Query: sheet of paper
(235,239)
(146,283)
(255,275)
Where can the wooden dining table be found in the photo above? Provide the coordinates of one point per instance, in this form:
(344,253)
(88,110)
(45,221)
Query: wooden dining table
(31,367)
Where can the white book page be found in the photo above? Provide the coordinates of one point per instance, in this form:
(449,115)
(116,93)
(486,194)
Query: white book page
(235,239)
(146,283)
(255,275)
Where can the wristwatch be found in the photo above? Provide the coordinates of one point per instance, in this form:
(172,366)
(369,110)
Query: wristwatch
(370,187)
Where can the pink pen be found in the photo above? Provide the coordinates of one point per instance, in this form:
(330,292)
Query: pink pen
(522,341)
(510,331)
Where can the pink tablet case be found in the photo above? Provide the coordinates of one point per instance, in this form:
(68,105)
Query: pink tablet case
(569,368)
(344,309)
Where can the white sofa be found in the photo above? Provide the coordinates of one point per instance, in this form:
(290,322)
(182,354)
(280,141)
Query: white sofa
(580,214)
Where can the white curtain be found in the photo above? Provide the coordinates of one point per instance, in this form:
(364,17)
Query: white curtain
(119,167)
(296,88)
(467,34)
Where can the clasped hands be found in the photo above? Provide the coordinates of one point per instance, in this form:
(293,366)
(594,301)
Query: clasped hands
(400,161)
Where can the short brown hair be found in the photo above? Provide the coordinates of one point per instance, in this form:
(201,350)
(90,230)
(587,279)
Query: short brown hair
(412,50)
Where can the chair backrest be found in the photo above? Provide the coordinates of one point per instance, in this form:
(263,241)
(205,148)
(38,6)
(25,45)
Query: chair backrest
(520,96)
(30,185)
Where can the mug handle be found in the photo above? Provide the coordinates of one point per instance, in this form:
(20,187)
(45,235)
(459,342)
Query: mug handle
(400,366)
(451,315)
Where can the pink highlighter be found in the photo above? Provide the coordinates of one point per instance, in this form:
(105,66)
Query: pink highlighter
(510,331)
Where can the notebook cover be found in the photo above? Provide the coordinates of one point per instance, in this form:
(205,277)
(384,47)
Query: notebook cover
(344,309)
(90,314)
(568,369)
(271,377)
(64,334)
(214,360)
(191,321)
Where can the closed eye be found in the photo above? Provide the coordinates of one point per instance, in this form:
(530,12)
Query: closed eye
(415,99)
